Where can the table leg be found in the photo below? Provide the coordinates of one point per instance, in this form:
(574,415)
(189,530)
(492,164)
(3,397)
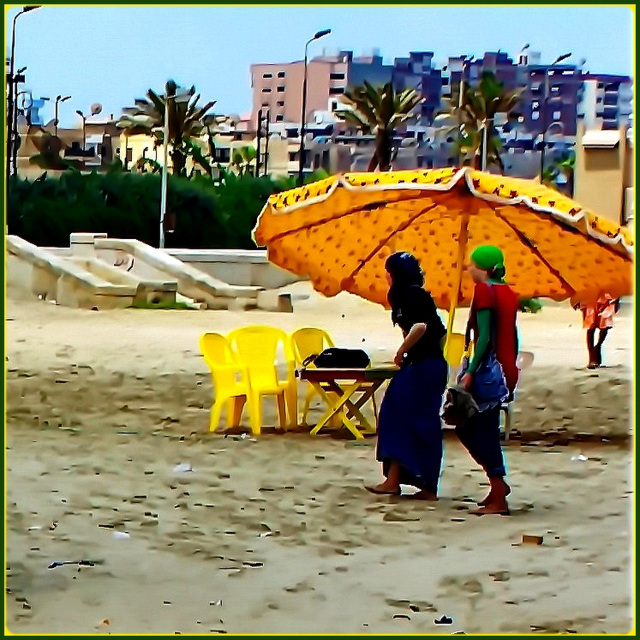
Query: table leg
(335,407)
(353,408)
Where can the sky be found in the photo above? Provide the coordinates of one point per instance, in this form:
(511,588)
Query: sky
(112,54)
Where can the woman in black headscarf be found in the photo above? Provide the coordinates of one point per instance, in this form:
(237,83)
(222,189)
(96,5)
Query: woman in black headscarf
(410,430)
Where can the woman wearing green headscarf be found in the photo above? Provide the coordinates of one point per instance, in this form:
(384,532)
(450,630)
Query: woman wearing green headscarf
(494,306)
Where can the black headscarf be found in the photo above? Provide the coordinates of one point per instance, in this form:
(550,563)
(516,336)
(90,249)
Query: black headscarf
(405,272)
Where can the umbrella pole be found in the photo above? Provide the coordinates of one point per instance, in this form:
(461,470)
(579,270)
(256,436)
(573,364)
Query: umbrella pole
(455,291)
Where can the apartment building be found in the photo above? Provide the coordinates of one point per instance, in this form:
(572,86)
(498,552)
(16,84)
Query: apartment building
(606,100)
(277,88)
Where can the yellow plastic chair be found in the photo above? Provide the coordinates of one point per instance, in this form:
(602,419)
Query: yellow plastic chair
(306,342)
(230,382)
(257,348)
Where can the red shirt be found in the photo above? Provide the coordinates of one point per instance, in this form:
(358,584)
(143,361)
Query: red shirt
(504,304)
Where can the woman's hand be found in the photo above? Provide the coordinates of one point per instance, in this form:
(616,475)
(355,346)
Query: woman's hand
(399,358)
(466,381)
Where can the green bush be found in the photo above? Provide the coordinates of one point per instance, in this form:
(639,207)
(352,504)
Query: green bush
(127,205)
(530,305)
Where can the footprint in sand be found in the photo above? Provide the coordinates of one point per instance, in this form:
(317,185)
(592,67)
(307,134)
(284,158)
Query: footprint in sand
(301,587)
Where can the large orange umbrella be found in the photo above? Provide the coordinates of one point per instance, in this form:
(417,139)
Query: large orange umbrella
(339,232)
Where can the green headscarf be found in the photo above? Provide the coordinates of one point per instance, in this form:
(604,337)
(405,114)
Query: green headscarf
(490,259)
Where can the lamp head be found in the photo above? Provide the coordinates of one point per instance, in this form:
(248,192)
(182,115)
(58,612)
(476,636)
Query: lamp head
(561,58)
(80,113)
(31,7)
(319,34)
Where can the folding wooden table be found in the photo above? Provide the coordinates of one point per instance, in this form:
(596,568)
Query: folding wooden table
(346,391)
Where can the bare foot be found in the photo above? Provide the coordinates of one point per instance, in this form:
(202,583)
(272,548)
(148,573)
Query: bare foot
(500,508)
(496,495)
(485,500)
(383,489)
(423,494)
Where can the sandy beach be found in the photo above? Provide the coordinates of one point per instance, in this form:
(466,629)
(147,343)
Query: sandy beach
(125,515)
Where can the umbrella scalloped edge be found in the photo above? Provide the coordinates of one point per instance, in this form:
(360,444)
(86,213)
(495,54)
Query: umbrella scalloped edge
(483,185)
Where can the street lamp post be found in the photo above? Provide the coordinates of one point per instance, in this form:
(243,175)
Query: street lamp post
(465,62)
(11,92)
(183,97)
(485,129)
(544,109)
(258,137)
(316,36)
(266,144)
(55,115)
(84,129)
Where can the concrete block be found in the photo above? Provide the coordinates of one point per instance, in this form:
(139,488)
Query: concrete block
(274,301)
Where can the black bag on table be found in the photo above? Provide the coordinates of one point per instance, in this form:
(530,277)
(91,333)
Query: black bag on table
(339,358)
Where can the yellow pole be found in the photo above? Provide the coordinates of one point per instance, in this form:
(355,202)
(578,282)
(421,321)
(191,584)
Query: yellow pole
(455,291)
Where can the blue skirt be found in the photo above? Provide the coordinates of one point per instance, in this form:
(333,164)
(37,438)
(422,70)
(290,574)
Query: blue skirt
(409,429)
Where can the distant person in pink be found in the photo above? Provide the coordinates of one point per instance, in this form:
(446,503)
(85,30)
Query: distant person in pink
(598,316)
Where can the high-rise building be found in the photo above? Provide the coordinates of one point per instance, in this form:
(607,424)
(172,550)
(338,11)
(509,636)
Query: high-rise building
(553,99)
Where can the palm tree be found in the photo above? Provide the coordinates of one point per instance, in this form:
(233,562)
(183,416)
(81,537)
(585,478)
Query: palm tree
(49,152)
(564,166)
(379,111)
(242,159)
(477,110)
(186,121)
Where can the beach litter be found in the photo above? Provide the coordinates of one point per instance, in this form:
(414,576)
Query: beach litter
(183,467)
(80,563)
(121,535)
(579,458)
(444,620)
(528,539)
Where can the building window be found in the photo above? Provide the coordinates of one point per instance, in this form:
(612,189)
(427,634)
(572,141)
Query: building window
(280,103)
(280,89)
(223,154)
(267,75)
(535,115)
(266,90)
(265,104)
(336,76)
(279,118)
(334,91)
(557,115)
(293,156)
(281,74)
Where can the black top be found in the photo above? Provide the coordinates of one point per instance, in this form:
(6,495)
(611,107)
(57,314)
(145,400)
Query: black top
(416,305)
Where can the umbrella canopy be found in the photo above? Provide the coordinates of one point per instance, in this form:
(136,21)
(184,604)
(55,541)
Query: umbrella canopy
(340,231)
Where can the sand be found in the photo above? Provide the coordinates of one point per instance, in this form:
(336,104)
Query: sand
(110,465)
